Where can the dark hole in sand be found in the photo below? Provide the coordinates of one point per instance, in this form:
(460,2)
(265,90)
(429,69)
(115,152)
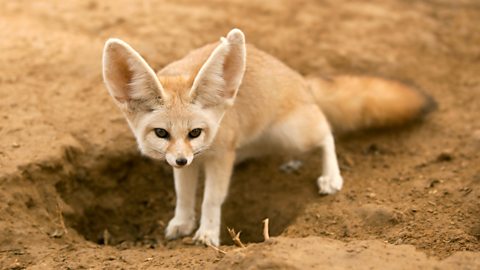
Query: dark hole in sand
(128,199)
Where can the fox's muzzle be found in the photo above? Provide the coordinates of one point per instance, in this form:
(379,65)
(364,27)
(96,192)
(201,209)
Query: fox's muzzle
(179,154)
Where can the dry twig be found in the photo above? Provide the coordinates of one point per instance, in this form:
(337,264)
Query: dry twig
(217,249)
(106,237)
(266,235)
(236,237)
(60,216)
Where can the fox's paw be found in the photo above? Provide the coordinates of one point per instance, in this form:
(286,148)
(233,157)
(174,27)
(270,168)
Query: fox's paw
(330,184)
(179,227)
(207,237)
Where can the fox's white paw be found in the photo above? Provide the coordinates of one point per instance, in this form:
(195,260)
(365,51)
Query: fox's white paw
(207,237)
(179,227)
(330,184)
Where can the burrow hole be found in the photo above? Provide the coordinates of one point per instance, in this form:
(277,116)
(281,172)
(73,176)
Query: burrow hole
(128,199)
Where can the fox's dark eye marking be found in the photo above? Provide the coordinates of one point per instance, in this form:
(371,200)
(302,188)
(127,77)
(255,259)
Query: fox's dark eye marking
(194,133)
(161,133)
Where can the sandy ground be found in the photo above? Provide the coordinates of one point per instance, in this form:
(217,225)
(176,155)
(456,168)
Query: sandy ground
(75,193)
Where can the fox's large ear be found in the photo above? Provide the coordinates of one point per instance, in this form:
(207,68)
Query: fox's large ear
(219,78)
(127,75)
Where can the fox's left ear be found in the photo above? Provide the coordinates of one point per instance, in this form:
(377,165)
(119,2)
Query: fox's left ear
(219,78)
(127,75)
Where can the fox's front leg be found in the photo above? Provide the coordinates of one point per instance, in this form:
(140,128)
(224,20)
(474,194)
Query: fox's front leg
(218,170)
(183,222)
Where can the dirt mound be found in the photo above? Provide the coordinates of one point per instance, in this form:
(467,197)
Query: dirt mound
(75,193)
(315,253)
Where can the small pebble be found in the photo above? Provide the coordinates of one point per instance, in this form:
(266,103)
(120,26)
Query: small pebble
(188,241)
(291,166)
(445,156)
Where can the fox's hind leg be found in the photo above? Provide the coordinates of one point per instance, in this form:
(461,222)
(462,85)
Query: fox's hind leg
(331,181)
(305,129)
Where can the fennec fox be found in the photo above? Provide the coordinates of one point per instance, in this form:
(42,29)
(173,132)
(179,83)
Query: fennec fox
(229,101)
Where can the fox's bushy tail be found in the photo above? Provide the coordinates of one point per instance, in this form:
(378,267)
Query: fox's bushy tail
(359,102)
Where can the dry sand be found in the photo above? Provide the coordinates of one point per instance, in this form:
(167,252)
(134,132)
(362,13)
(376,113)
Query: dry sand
(75,193)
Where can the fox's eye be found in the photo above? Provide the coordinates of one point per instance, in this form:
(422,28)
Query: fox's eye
(161,133)
(195,133)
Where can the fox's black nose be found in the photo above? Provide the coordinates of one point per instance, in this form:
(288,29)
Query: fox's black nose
(181,161)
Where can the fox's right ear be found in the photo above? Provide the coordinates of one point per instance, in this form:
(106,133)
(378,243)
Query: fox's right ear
(219,79)
(127,75)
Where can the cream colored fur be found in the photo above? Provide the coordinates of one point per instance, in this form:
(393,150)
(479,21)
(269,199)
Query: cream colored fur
(246,104)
